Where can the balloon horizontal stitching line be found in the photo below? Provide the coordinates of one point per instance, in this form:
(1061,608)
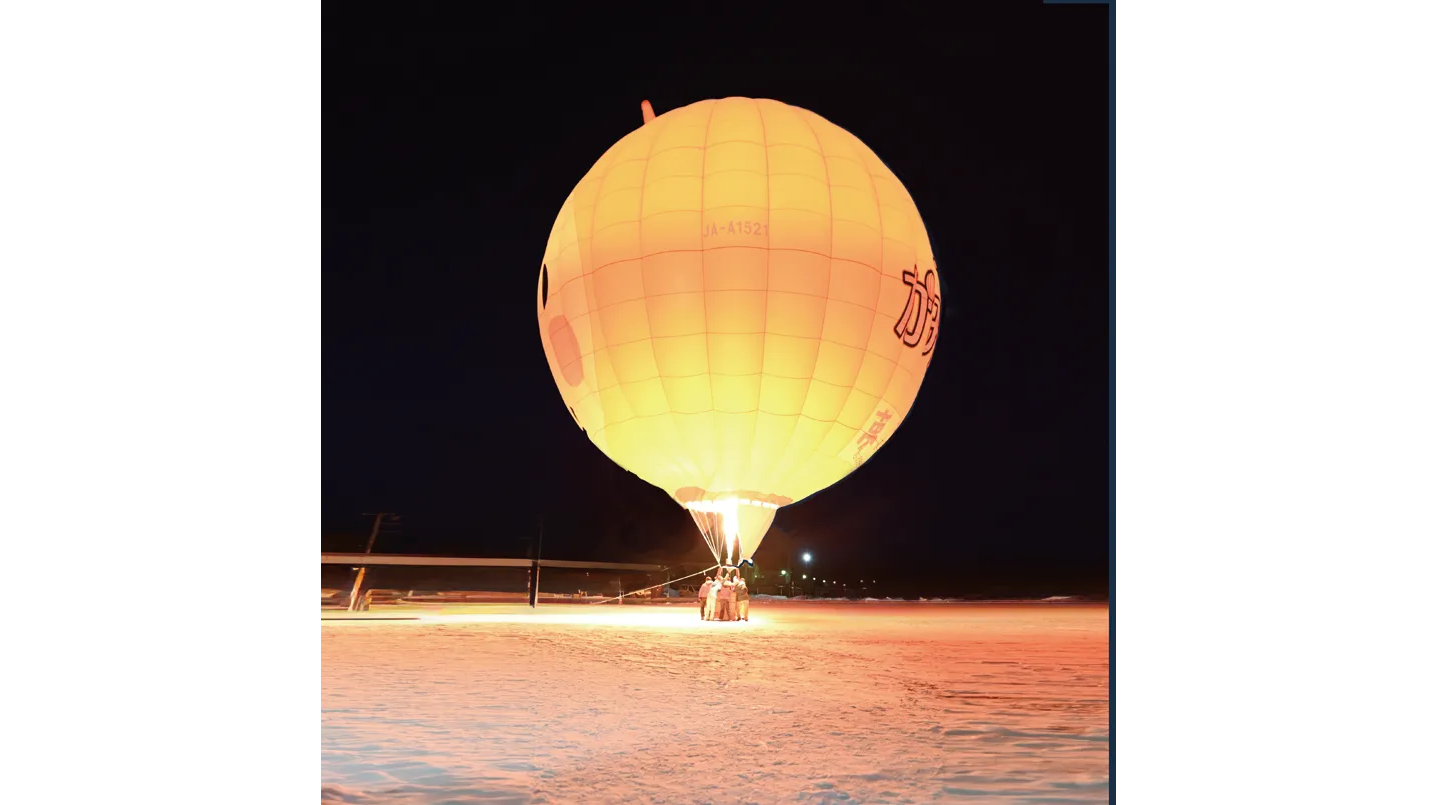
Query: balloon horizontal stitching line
(849,385)
(654,179)
(821,421)
(717,210)
(804,174)
(728,206)
(717,207)
(635,222)
(576,244)
(632,342)
(863,348)
(618,302)
(596,270)
(667,149)
(755,171)
(572,361)
(844,385)
(766,331)
(717,143)
(708,173)
(897,363)
(616,163)
(799,415)
(743,374)
(816,152)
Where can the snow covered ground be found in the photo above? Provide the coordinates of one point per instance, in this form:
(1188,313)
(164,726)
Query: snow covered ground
(808,702)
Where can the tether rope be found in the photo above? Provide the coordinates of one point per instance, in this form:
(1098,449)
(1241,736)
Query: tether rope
(662,584)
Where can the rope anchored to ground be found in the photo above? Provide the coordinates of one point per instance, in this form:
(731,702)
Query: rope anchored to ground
(661,584)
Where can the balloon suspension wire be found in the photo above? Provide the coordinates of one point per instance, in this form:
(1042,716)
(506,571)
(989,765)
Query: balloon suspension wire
(661,584)
(711,524)
(710,531)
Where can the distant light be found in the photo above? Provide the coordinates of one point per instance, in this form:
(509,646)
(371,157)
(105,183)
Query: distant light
(806,575)
(807,557)
(783,572)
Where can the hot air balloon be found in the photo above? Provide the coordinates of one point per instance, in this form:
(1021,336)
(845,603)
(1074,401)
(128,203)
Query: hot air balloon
(738,303)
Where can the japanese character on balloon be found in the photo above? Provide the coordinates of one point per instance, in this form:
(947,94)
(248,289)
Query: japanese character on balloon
(920,320)
(870,438)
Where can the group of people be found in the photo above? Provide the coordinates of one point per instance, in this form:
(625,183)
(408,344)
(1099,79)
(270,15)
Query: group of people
(724,596)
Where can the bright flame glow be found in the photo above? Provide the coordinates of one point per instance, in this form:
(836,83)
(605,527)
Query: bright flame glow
(730,523)
(728,511)
(718,505)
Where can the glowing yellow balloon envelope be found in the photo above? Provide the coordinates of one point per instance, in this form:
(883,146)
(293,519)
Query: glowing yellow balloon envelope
(738,303)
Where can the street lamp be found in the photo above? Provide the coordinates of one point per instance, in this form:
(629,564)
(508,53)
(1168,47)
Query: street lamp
(807,557)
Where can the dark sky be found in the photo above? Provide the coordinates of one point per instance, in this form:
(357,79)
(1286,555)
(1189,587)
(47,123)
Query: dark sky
(449,146)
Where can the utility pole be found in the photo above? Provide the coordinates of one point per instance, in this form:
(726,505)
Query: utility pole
(354,605)
(534,567)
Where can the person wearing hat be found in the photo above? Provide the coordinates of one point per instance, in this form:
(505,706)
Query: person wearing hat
(726,600)
(704,597)
(741,598)
(711,600)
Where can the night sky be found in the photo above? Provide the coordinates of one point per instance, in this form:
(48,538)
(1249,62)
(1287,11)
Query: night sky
(449,146)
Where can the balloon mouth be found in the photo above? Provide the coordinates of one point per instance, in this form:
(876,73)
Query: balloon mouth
(694,495)
(733,523)
(719,505)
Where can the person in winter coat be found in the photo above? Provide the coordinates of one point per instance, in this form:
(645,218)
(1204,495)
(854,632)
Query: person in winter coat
(741,597)
(711,600)
(726,601)
(704,598)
